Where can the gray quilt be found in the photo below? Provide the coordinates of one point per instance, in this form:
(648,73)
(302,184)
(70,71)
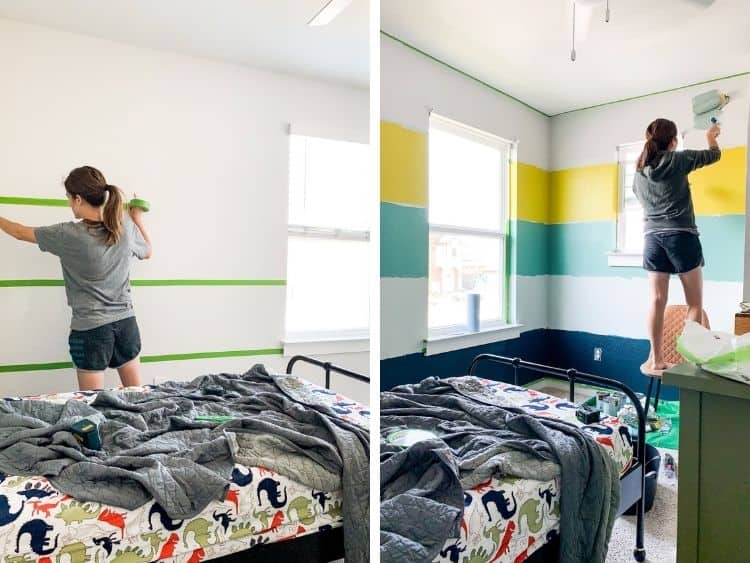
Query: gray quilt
(152,448)
(422,486)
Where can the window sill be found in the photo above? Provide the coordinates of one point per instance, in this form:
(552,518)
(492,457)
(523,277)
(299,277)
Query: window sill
(321,344)
(458,338)
(624,260)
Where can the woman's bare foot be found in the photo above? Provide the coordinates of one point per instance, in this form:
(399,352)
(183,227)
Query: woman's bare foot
(651,367)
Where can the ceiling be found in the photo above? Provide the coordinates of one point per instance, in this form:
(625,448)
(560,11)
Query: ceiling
(268,34)
(522,47)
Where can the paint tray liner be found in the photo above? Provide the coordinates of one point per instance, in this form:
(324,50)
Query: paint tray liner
(716,352)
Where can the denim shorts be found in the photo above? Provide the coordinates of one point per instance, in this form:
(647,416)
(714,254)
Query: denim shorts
(672,252)
(112,345)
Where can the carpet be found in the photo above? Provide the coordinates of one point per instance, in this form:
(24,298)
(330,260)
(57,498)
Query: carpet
(661,525)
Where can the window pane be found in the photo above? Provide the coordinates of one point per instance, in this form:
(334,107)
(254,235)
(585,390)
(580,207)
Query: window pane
(328,287)
(633,230)
(465,182)
(461,264)
(328,183)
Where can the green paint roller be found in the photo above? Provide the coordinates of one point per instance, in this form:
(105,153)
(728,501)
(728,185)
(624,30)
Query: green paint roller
(707,108)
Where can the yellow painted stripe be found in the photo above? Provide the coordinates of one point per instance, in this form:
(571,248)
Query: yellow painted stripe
(403,165)
(719,189)
(588,193)
(531,191)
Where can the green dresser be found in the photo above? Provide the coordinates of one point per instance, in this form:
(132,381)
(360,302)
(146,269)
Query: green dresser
(713,523)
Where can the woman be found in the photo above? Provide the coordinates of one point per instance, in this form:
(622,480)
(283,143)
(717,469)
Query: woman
(95,255)
(671,243)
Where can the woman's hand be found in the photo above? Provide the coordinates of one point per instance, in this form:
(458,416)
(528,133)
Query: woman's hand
(711,135)
(136,213)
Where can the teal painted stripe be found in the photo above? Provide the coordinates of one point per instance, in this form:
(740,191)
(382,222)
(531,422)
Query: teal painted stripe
(404,241)
(530,241)
(38,201)
(16,368)
(151,283)
(580,249)
(723,240)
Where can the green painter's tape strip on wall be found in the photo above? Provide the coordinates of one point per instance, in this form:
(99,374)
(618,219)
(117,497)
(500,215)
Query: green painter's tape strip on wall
(403,241)
(38,201)
(151,283)
(15,368)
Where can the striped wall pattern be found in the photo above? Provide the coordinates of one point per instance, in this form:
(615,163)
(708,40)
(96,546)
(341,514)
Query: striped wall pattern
(404,240)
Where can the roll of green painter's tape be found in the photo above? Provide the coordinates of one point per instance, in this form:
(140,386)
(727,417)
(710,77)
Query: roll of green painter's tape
(140,203)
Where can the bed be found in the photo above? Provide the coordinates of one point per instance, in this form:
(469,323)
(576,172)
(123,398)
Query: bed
(265,516)
(516,519)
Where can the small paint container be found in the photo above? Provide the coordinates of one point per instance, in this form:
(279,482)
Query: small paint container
(602,401)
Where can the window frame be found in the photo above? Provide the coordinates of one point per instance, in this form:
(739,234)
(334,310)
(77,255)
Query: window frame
(345,340)
(437,335)
(628,148)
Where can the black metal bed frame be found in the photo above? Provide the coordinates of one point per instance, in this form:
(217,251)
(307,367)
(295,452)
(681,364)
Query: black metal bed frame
(328,367)
(322,546)
(633,482)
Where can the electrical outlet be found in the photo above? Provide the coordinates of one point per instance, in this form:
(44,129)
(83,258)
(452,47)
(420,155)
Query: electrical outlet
(597,354)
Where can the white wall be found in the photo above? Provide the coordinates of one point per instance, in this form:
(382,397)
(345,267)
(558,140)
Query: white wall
(206,142)
(587,137)
(411,85)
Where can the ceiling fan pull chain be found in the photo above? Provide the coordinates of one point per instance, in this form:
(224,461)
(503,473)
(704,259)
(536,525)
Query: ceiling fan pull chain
(606,13)
(573,50)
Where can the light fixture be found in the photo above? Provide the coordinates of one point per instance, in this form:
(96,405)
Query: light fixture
(328,12)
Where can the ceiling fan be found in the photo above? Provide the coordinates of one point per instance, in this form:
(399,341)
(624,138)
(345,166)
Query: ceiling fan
(583,11)
(328,12)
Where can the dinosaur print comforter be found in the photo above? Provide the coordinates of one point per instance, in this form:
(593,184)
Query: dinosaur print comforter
(506,519)
(39,524)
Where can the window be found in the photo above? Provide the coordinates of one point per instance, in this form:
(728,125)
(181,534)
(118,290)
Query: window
(629,244)
(328,260)
(468,184)
(630,212)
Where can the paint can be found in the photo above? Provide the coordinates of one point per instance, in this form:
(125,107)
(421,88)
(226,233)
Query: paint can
(472,312)
(602,401)
(616,402)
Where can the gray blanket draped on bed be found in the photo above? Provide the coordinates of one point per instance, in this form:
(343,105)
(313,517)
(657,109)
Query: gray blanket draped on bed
(422,486)
(152,448)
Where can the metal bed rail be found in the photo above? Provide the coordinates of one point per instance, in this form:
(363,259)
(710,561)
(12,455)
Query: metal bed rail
(634,481)
(328,367)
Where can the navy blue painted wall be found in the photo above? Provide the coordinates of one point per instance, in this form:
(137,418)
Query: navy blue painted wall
(413,368)
(621,359)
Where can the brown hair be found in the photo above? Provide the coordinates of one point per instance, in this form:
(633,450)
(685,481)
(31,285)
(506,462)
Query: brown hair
(659,135)
(90,184)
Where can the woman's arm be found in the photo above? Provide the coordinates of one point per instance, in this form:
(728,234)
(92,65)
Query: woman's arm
(136,214)
(18,231)
(692,160)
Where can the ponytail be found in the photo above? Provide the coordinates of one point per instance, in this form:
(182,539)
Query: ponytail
(89,183)
(659,136)
(112,214)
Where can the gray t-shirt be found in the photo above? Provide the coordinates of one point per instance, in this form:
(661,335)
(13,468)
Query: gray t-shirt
(97,276)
